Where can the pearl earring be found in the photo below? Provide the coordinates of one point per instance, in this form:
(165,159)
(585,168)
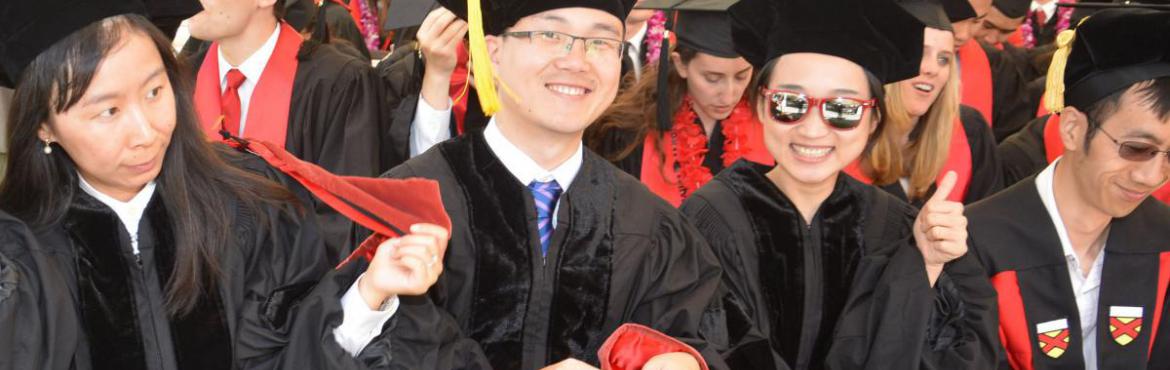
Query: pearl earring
(48,148)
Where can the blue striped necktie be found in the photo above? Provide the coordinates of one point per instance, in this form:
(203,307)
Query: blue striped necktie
(545,195)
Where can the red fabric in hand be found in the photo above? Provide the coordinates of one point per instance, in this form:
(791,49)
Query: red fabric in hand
(388,207)
(632,345)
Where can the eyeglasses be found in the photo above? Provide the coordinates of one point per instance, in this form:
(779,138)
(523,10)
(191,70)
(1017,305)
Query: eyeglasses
(558,43)
(1136,151)
(841,113)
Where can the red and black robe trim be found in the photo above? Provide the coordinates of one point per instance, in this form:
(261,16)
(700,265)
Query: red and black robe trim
(976,75)
(1029,271)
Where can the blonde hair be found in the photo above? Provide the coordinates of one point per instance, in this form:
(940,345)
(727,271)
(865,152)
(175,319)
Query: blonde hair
(928,147)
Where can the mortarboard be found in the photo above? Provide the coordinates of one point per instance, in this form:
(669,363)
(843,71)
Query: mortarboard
(30,27)
(1108,52)
(702,25)
(492,17)
(407,13)
(929,12)
(876,34)
(958,10)
(1013,8)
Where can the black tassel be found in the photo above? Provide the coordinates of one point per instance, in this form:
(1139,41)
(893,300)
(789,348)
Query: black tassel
(665,116)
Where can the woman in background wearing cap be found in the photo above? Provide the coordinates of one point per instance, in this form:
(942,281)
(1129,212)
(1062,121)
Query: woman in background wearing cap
(157,249)
(712,127)
(926,132)
(823,270)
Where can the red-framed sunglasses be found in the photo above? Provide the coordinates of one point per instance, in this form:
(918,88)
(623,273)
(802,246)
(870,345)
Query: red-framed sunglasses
(842,113)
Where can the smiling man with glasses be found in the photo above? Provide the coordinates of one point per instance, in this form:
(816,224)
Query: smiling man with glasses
(1080,253)
(552,247)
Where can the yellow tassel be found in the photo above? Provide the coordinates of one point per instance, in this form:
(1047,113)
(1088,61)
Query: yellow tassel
(1054,86)
(484,73)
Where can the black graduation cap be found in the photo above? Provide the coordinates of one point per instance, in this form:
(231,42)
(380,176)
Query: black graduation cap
(407,13)
(702,25)
(498,15)
(1106,53)
(1013,8)
(929,12)
(876,34)
(28,27)
(958,10)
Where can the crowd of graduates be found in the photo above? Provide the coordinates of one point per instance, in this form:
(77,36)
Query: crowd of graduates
(584,184)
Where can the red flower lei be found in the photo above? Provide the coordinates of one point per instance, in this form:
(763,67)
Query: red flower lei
(690,143)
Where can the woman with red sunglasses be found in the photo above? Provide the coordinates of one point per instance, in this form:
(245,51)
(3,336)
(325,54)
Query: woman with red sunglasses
(822,270)
(926,132)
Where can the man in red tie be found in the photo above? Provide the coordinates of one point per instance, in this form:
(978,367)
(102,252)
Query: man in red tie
(261,80)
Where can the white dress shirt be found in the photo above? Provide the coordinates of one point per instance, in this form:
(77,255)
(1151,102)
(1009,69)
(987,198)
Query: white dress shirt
(1048,8)
(359,324)
(635,51)
(252,68)
(1086,288)
(429,127)
(525,169)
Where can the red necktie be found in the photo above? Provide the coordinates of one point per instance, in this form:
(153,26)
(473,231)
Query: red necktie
(1041,17)
(229,102)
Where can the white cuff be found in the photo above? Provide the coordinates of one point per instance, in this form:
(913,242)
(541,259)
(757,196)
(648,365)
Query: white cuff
(359,324)
(429,127)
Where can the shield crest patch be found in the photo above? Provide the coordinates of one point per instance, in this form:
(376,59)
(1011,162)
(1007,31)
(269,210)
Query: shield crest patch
(1053,337)
(1125,324)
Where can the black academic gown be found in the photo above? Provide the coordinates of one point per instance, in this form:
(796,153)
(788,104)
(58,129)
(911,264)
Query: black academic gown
(342,27)
(986,174)
(1014,104)
(1023,154)
(1016,241)
(848,291)
(335,121)
(84,300)
(618,255)
(402,75)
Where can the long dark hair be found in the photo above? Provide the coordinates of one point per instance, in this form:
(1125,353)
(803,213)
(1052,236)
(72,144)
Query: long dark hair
(200,190)
(634,114)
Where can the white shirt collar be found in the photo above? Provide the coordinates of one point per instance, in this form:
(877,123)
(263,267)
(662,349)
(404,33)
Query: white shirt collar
(1044,184)
(1086,289)
(253,66)
(130,213)
(523,167)
(1048,8)
(636,41)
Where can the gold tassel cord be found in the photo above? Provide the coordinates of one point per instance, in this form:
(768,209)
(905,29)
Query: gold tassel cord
(1054,86)
(481,65)
(484,73)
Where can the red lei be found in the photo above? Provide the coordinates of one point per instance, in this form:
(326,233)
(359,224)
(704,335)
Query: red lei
(690,143)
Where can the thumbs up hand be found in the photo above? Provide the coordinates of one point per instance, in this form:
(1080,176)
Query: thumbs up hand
(940,231)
